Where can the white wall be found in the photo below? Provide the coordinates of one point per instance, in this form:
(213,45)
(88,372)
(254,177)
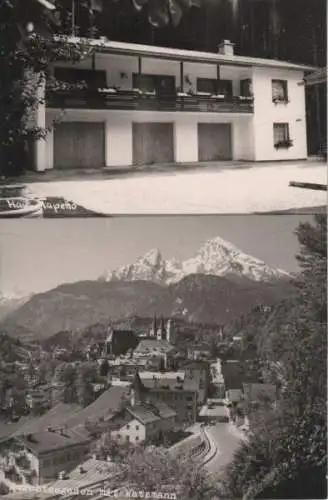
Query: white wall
(266,113)
(115,65)
(133,429)
(118,142)
(243,139)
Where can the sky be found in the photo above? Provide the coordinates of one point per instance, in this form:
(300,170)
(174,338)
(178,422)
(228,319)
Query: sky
(37,255)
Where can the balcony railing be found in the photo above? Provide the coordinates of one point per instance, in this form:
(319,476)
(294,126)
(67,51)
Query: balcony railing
(147,101)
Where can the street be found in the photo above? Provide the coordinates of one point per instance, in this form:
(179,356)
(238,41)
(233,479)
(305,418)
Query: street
(249,189)
(226,439)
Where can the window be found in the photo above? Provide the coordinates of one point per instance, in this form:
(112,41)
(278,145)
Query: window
(137,438)
(208,85)
(160,84)
(213,86)
(279,91)
(127,438)
(137,427)
(93,78)
(128,426)
(246,87)
(281,137)
(225,87)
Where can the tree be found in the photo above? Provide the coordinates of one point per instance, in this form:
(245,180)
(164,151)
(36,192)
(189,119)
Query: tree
(153,469)
(25,61)
(286,455)
(68,376)
(86,376)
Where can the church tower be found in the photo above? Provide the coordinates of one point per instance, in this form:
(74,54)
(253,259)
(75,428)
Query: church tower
(153,331)
(161,332)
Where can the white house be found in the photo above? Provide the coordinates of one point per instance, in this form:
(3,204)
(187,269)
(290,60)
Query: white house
(131,104)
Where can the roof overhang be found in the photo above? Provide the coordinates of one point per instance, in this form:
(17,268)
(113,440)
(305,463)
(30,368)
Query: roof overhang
(315,78)
(130,49)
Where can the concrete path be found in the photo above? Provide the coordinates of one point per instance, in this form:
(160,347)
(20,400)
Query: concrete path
(260,188)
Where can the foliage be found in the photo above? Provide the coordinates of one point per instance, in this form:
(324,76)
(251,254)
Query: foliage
(24,60)
(161,13)
(4,489)
(286,454)
(153,468)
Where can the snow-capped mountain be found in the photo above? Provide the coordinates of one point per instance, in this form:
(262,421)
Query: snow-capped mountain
(215,257)
(11,301)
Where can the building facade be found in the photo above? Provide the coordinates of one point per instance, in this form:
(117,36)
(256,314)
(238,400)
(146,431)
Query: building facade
(141,422)
(170,392)
(131,104)
(54,451)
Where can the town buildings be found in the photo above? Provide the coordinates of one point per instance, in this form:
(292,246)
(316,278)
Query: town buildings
(129,104)
(53,451)
(171,392)
(142,421)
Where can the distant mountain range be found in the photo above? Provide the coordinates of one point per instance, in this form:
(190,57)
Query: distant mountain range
(216,257)
(218,284)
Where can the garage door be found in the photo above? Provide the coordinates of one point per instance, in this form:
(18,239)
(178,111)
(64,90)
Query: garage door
(214,141)
(153,143)
(79,144)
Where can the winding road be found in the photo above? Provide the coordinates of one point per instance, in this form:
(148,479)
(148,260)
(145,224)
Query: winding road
(225,440)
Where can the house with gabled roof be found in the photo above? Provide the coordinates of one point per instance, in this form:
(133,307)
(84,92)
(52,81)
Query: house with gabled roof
(141,421)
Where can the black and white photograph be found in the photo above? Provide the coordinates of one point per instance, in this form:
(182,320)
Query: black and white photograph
(163,357)
(164,333)
(162,106)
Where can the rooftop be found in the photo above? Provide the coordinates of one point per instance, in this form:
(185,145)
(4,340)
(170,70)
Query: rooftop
(144,375)
(105,405)
(154,345)
(108,46)
(46,441)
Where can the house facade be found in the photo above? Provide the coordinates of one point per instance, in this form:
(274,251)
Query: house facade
(141,421)
(51,452)
(171,392)
(129,104)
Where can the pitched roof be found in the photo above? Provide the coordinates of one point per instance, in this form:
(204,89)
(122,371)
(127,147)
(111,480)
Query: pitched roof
(46,441)
(55,417)
(109,46)
(151,412)
(316,77)
(149,344)
(105,405)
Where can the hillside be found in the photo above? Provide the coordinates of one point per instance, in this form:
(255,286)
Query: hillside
(195,298)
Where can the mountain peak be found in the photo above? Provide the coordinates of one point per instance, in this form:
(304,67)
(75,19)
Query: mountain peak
(152,257)
(216,257)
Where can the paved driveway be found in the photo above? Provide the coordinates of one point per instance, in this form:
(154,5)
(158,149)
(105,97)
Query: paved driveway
(260,188)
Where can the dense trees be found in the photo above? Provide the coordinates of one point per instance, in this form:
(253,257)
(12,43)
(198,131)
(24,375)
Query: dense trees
(25,57)
(153,469)
(286,454)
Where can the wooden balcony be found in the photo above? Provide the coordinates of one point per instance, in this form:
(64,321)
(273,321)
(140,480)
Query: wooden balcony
(141,101)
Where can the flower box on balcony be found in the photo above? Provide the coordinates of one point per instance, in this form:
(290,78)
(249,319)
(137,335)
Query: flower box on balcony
(280,100)
(108,91)
(182,94)
(246,98)
(288,143)
(203,94)
(220,97)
